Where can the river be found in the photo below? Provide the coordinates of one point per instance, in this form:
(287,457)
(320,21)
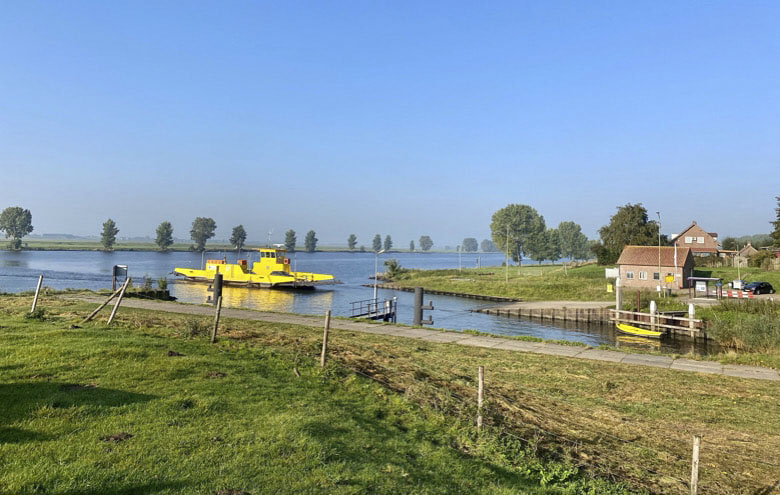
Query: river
(19,272)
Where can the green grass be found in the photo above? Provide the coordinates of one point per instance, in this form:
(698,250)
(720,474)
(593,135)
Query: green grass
(747,274)
(529,283)
(235,416)
(95,410)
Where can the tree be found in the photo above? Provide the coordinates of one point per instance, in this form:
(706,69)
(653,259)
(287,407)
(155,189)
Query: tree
(310,242)
(573,243)
(470,245)
(388,243)
(544,246)
(16,222)
(629,226)
(108,236)
(425,243)
(238,238)
(290,240)
(164,235)
(377,243)
(411,246)
(351,242)
(729,244)
(202,230)
(487,246)
(776,233)
(521,223)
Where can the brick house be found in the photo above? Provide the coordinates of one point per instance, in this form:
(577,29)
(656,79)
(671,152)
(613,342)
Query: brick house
(638,266)
(695,238)
(747,251)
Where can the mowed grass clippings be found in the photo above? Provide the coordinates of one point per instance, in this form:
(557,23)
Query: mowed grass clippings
(617,422)
(139,410)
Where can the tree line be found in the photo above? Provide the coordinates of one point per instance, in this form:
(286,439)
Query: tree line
(520,231)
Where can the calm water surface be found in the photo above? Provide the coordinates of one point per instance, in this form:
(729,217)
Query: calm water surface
(92,270)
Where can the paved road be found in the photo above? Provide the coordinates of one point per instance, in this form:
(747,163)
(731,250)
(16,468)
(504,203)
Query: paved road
(679,364)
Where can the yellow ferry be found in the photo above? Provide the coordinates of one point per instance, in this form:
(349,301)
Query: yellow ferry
(271,271)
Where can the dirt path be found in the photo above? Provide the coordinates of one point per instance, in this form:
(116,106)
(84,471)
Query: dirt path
(458,338)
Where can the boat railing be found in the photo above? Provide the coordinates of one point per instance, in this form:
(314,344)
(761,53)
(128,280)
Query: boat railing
(375,309)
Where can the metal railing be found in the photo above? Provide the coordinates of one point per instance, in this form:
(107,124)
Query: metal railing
(375,309)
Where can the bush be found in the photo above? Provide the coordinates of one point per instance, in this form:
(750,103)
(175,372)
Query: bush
(147,282)
(38,314)
(394,269)
(762,259)
(162,283)
(194,327)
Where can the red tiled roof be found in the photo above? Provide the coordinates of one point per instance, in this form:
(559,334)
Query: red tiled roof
(648,256)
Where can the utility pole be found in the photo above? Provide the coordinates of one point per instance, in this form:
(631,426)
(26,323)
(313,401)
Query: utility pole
(659,248)
(506,262)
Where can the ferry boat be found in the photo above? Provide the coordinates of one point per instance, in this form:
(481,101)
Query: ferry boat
(271,271)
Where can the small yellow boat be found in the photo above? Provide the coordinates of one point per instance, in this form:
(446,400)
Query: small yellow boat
(638,332)
(271,271)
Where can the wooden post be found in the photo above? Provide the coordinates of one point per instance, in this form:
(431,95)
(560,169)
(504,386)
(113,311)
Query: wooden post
(638,302)
(480,394)
(216,320)
(695,465)
(325,340)
(37,291)
(652,315)
(691,316)
(118,301)
(103,305)
(618,294)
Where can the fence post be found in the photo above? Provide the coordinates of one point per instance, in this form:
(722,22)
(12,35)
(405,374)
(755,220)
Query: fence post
(325,340)
(103,305)
(691,316)
(216,320)
(695,465)
(618,294)
(653,309)
(480,393)
(119,300)
(37,291)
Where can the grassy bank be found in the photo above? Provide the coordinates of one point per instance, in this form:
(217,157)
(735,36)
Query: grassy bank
(529,283)
(747,274)
(236,416)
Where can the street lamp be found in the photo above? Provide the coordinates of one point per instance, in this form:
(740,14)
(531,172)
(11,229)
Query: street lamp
(376,269)
(659,249)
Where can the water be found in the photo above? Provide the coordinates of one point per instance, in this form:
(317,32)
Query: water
(92,270)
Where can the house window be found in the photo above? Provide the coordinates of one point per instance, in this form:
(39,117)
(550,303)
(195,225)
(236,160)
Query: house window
(642,275)
(688,239)
(630,275)
(656,276)
(701,240)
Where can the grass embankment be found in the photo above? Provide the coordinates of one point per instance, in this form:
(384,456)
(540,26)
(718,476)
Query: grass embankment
(236,416)
(747,274)
(529,283)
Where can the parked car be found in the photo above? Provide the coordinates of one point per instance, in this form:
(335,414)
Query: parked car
(759,288)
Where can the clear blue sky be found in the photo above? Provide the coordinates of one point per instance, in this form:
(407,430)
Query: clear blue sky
(405,118)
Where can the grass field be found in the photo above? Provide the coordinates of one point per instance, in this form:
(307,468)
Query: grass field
(236,416)
(529,282)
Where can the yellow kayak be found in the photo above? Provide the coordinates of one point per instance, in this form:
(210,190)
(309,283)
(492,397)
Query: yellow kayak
(639,332)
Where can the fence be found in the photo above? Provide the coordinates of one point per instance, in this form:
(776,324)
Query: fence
(659,321)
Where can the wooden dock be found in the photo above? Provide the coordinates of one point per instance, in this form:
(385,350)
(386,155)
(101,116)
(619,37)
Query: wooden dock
(479,297)
(585,315)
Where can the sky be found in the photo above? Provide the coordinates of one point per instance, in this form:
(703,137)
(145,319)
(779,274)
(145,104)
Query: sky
(405,118)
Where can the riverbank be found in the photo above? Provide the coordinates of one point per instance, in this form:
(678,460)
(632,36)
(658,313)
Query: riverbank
(591,414)
(524,283)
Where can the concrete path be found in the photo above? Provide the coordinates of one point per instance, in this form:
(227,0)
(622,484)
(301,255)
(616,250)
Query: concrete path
(655,361)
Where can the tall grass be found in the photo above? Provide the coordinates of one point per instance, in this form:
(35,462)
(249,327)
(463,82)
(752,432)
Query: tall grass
(752,326)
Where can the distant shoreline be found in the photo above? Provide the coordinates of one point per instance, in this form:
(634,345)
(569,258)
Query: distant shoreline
(151,247)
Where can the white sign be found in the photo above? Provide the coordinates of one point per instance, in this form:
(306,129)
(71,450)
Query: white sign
(701,286)
(612,272)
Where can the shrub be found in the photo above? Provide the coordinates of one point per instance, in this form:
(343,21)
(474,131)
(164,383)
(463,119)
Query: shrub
(38,314)
(162,283)
(394,269)
(147,282)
